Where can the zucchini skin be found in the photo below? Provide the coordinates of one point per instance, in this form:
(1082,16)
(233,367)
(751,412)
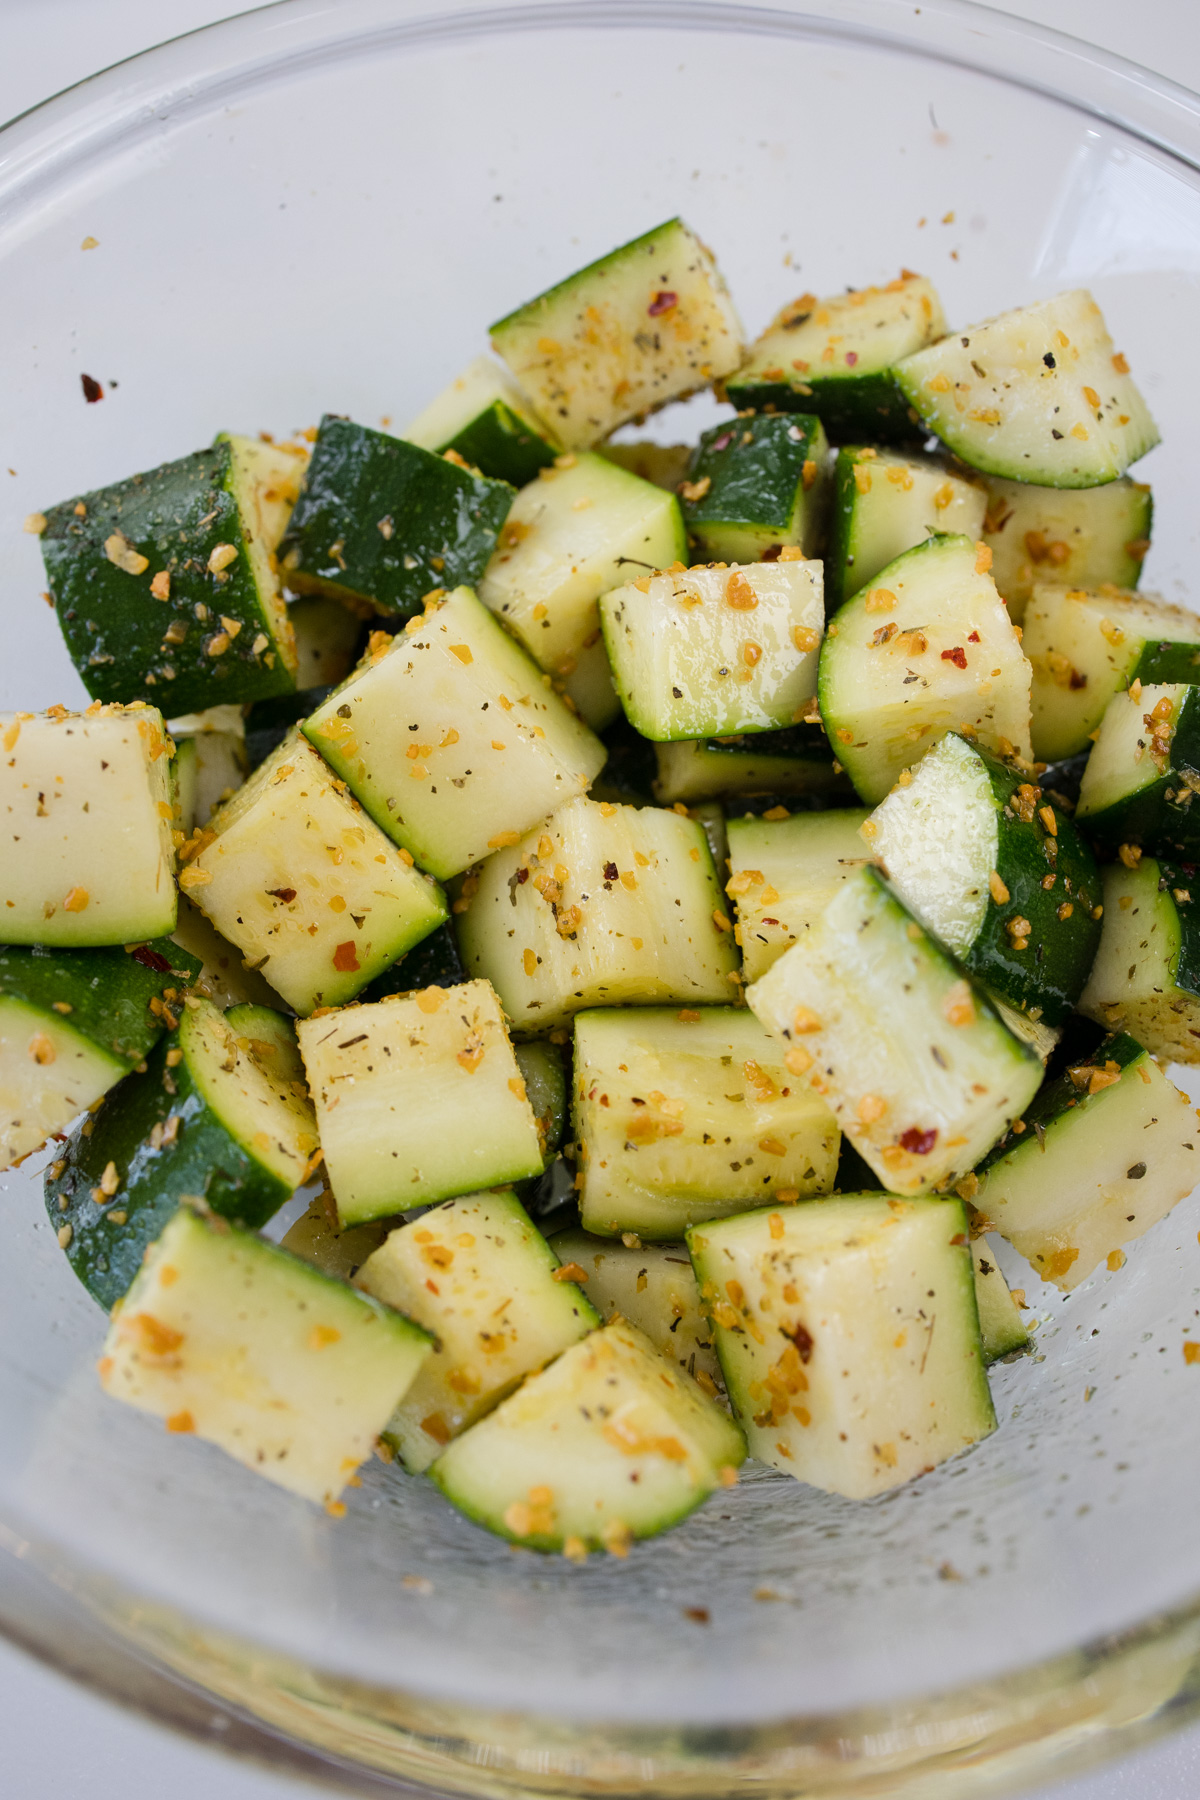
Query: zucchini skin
(445,520)
(1165,663)
(858,408)
(1162,815)
(203,1160)
(757,486)
(502,446)
(1052,971)
(108,991)
(114,628)
(1060,1095)
(434,962)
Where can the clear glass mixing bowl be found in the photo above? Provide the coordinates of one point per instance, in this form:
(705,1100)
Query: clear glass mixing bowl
(319,207)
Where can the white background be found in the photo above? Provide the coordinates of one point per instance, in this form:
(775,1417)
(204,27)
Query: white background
(57,1742)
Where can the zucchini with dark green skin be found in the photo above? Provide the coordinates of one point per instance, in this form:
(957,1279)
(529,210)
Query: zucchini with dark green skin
(221,1114)
(72,1023)
(485,417)
(797,760)
(1146,976)
(884,503)
(998,872)
(544,1072)
(1143,775)
(163,584)
(756,485)
(384,521)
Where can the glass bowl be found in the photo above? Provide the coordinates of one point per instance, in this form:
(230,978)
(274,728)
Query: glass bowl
(320,207)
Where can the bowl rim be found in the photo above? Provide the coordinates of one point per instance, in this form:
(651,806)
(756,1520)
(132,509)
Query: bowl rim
(1046,1719)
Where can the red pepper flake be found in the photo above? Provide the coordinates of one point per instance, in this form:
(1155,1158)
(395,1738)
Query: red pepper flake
(345,959)
(957,656)
(851,358)
(916,1142)
(974,638)
(663,302)
(284,894)
(802,1338)
(150,959)
(724,441)
(92,391)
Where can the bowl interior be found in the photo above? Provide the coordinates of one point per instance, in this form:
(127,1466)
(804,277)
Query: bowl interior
(335,235)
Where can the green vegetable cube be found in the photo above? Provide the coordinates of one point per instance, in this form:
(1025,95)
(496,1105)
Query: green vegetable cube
(757,484)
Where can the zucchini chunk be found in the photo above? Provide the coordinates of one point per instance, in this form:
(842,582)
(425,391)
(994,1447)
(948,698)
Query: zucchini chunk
(165,585)
(485,418)
(383,522)
(1144,771)
(294,873)
(666,465)
(682,1116)
(1083,537)
(317,1239)
(927,650)
(223,977)
(918,1067)
(995,871)
(886,502)
(541,1064)
(1106,1150)
(794,762)
(849,1335)
(87,808)
(72,1023)
(208,768)
(1085,647)
(222,1114)
(1001,1327)
(229,1338)
(1036,395)
(756,486)
(711,652)
(835,357)
(327,635)
(784,872)
(611,1443)
(653,1286)
(418,1097)
(605,906)
(647,323)
(445,1270)
(1146,976)
(449,739)
(585,526)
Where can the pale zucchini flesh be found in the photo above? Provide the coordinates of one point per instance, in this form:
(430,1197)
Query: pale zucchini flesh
(795,763)
(653,1286)
(886,502)
(1143,774)
(1001,1327)
(49,1073)
(848,1331)
(783,874)
(1146,976)
(1081,537)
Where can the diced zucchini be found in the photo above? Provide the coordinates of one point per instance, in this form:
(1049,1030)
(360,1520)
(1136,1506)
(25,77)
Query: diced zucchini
(611,1443)
(886,502)
(383,521)
(666,465)
(756,485)
(606,905)
(835,357)
(230,1339)
(682,1116)
(418,1098)
(1080,536)
(86,806)
(489,422)
(784,872)
(710,816)
(221,1115)
(1001,1327)
(1146,976)
(1085,647)
(1144,771)
(165,585)
(1036,395)
(916,1064)
(446,1270)
(997,872)
(207,768)
(317,1239)
(1107,1149)
(327,635)
(654,1287)
(710,652)
(434,962)
(72,1022)
(849,1335)
(647,323)
(797,761)
(541,1064)
(927,650)
(451,741)
(585,526)
(294,873)
(223,975)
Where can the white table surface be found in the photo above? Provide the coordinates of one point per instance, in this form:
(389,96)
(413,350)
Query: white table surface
(58,1742)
